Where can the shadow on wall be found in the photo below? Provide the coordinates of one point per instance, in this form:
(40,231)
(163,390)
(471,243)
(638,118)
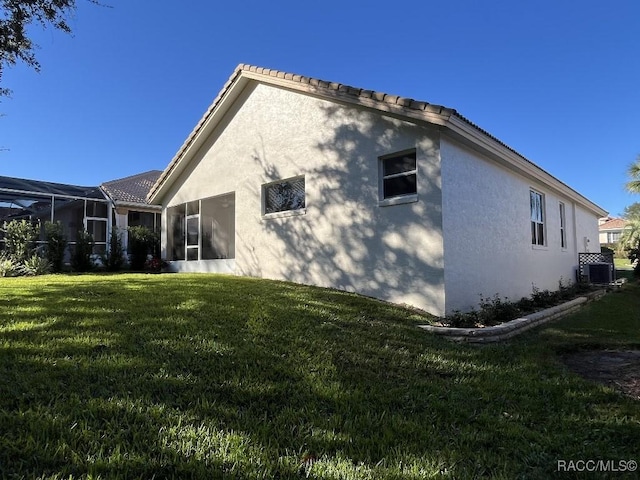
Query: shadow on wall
(346,240)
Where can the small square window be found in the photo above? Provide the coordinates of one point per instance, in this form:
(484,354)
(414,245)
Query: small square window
(399,175)
(285,195)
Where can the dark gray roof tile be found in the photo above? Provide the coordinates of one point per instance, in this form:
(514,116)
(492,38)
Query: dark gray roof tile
(133,189)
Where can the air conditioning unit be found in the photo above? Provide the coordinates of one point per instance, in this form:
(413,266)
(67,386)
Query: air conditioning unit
(600,272)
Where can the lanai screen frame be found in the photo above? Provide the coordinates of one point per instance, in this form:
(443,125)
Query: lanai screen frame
(24,194)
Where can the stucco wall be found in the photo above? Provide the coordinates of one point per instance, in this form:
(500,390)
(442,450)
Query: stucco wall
(344,239)
(487,233)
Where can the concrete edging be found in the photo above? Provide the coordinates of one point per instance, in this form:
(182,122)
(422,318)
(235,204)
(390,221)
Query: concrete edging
(514,327)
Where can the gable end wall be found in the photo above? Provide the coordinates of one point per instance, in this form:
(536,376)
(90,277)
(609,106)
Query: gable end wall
(344,239)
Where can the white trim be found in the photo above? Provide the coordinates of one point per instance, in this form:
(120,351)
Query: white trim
(562,210)
(285,213)
(543,222)
(452,124)
(388,202)
(514,161)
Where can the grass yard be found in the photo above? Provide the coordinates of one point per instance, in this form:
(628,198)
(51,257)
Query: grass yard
(203,376)
(622,264)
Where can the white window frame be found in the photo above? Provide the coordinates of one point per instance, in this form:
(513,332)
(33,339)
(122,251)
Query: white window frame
(536,221)
(613,237)
(563,225)
(385,201)
(195,247)
(283,213)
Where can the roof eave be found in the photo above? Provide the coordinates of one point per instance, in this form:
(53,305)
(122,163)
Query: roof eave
(392,105)
(198,136)
(462,129)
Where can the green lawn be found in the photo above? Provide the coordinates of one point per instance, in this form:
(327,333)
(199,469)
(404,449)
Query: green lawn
(622,264)
(203,376)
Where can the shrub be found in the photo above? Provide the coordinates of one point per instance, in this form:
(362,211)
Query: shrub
(458,319)
(526,305)
(56,244)
(542,298)
(81,257)
(35,265)
(155,265)
(142,242)
(8,268)
(496,310)
(19,237)
(113,260)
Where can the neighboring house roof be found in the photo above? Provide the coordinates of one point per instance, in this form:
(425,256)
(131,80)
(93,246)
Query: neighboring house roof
(393,105)
(613,224)
(131,190)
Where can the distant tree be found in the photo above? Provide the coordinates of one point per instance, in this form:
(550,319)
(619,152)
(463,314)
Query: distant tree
(629,243)
(632,211)
(16,16)
(633,185)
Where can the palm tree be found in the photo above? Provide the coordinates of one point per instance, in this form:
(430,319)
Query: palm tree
(633,185)
(629,244)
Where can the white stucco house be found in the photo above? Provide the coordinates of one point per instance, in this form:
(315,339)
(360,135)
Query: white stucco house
(290,177)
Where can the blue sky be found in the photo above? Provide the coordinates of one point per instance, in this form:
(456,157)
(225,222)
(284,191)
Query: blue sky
(558,81)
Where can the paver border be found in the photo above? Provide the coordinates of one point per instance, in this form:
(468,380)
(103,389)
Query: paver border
(515,327)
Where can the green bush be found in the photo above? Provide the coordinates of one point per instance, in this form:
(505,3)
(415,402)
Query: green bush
(20,237)
(81,257)
(496,310)
(458,319)
(142,242)
(543,298)
(56,244)
(35,265)
(113,260)
(8,268)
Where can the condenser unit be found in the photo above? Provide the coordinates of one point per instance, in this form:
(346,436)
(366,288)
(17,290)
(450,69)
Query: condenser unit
(600,272)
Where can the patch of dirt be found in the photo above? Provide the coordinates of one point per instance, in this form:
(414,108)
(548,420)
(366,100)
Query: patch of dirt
(619,369)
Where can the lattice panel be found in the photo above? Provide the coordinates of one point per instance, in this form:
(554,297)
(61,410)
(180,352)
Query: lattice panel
(595,257)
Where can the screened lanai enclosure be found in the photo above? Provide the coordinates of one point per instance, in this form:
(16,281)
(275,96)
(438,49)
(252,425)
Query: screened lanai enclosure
(76,208)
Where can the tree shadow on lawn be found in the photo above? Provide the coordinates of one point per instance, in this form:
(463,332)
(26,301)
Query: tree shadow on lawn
(209,376)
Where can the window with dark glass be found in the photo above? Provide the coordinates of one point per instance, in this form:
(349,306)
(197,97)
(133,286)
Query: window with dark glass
(563,227)
(399,175)
(536,201)
(176,222)
(217,227)
(285,195)
(202,229)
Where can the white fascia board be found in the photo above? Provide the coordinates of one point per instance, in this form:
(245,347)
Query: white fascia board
(196,139)
(323,92)
(515,162)
(138,207)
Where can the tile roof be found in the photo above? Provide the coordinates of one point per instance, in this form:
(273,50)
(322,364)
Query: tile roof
(362,94)
(403,106)
(133,189)
(613,224)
